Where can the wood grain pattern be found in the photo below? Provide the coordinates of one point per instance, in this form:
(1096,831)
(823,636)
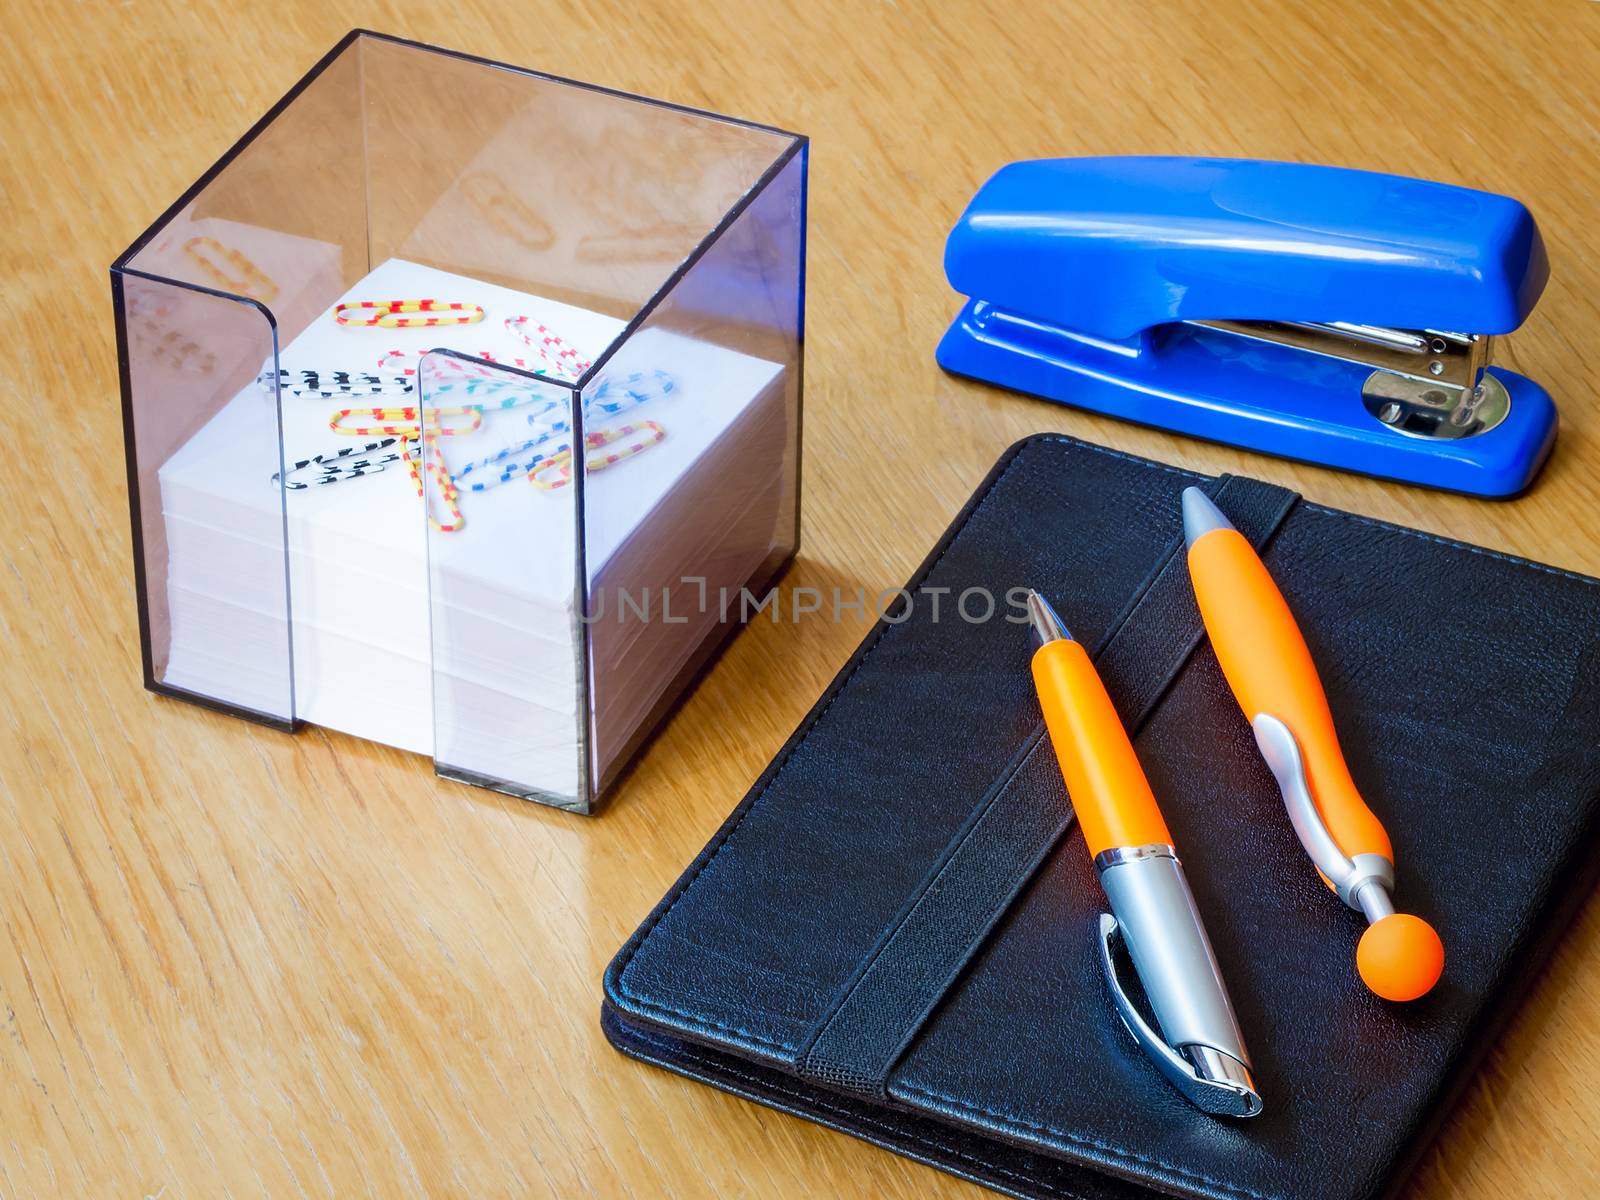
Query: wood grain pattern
(236,963)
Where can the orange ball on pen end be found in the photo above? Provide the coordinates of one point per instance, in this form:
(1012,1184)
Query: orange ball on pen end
(1400,957)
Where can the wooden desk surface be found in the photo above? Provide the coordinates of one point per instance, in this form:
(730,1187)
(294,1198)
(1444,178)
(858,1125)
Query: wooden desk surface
(238,963)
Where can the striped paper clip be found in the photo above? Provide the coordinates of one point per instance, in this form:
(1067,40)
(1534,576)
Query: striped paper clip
(549,346)
(407,361)
(461,375)
(217,261)
(561,463)
(400,314)
(449,496)
(355,462)
(350,462)
(618,395)
(508,462)
(406,423)
(611,398)
(334,385)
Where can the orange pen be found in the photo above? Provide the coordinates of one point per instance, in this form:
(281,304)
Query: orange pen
(1269,668)
(1198,1047)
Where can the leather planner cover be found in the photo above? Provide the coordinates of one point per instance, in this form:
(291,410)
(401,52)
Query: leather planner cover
(894,934)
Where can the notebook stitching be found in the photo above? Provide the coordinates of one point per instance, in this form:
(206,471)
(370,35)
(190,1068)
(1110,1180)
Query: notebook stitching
(719,1069)
(1062,439)
(1514,559)
(1084,1140)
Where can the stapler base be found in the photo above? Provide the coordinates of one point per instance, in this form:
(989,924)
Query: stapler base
(1275,399)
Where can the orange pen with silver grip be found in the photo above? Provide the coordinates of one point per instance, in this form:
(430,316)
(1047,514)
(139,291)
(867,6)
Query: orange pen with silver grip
(1198,1047)
(1269,668)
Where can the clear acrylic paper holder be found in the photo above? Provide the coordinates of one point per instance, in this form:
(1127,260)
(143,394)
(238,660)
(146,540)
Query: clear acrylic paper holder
(506,534)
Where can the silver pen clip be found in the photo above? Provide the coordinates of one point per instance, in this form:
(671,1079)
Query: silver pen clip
(1199,1048)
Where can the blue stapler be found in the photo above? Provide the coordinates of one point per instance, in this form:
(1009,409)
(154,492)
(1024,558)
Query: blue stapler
(1333,316)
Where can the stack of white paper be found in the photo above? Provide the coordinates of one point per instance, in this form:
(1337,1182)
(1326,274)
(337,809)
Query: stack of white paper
(467,645)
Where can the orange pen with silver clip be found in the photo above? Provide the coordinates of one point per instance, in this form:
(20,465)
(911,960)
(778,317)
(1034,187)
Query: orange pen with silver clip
(1198,1046)
(1269,668)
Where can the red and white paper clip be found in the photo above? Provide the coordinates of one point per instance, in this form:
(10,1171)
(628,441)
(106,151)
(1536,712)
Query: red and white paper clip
(549,346)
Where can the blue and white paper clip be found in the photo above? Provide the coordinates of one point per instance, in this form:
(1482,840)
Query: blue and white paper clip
(611,396)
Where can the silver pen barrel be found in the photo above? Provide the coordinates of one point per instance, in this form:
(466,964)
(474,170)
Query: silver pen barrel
(1199,1046)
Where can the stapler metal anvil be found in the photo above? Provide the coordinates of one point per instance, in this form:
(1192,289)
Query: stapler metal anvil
(1305,311)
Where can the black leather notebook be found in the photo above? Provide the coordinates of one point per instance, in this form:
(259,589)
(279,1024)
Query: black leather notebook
(894,934)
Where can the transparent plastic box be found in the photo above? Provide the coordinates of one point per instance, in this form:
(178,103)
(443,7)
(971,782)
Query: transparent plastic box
(462,407)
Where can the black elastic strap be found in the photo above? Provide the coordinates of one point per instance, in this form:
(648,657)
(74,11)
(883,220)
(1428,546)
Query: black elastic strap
(1015,826)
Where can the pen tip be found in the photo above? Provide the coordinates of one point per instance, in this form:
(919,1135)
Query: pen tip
(1200,516)
(1047,626)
